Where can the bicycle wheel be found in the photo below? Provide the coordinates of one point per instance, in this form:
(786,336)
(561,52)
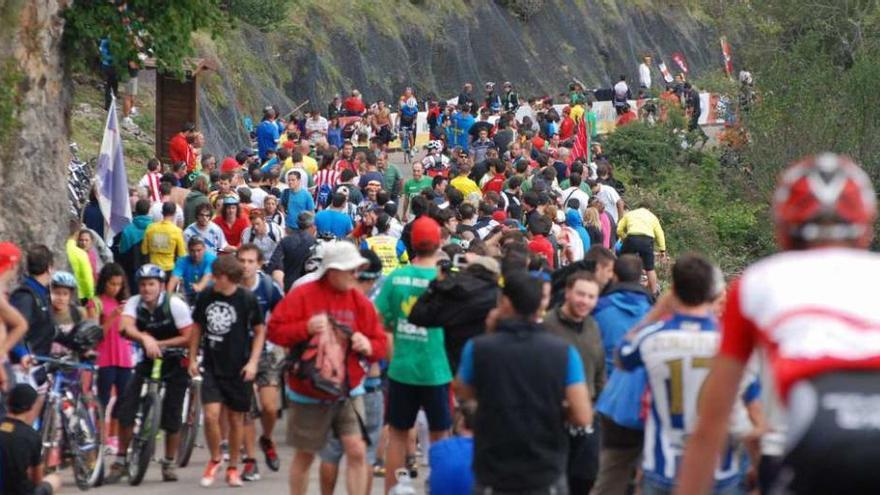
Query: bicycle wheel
(87,442)
(189,432)
(140,452)
(49,435)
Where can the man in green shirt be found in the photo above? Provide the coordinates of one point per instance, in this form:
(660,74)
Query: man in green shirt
(414,186)
(419,374)
(391,176)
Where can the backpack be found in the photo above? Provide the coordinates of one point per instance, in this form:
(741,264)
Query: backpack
(321,363)
(271,234)
(324,194)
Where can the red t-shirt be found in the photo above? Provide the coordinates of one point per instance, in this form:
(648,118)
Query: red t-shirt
(627,118)
(566,128)
(540,245)
(496,183)
(354,105)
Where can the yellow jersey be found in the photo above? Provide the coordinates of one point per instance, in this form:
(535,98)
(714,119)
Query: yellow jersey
(642,222)
(163,242)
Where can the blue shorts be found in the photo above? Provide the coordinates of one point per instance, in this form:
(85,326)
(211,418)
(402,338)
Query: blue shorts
(374,408)
(404,402)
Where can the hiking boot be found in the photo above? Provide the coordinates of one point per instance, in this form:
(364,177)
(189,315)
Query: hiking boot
(169,470)
(268,447)
(250,471)
(232,477)
(210,473)
(413,466)
(117,471)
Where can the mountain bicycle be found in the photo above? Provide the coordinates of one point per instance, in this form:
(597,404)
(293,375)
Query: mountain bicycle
(79,180)
(146,425)
(192,421)
(70,422)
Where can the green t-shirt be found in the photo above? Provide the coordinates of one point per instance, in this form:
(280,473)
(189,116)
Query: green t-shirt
(594,129)
(419,355)
(391,176)
(414,187)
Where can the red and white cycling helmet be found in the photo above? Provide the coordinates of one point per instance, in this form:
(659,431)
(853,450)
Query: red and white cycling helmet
(824,198)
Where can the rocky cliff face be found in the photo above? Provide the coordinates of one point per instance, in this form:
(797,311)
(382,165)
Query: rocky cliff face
(34,102)
(591,40)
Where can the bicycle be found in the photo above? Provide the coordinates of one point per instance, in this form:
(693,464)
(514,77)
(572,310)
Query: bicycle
(146,425)
(192,421)
(79,180)
(406,139)
(71,421)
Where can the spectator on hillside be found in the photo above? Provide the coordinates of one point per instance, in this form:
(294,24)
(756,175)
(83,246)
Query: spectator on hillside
(267,133)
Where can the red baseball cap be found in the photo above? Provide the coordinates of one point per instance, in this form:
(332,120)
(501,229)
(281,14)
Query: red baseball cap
(499,216)
(10,255)
(538,142)
(229,165)
(425,233)
(289,144)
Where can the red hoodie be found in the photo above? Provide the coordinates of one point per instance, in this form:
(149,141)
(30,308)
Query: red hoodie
(289,324)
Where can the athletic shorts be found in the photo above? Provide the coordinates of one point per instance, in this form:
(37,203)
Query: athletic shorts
(270,367)
(834,432)
(374,407)
(232,392)
(176,379)
(404,402)
(131,86)
(310,425)
(641,245)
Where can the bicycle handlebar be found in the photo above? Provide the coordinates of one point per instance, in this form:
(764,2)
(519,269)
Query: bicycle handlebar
(64,363)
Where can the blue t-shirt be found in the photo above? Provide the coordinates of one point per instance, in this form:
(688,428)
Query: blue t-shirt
(451,472)
(335,222)
(190,273)
(267,137)
(297,202)
(574,372)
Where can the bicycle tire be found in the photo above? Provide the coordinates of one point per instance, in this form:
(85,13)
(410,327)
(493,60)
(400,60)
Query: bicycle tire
(143,444)
(189,432)
(87,443)
(48,432)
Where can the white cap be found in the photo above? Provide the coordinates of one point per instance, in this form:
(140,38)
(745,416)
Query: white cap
(341,255)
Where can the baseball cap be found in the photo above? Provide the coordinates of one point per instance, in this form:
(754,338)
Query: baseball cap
(499,216)
(229,165)
(230,200)
(538,142)
(425,233)
(373,270)
(21,398)
(9,256)
(341,255)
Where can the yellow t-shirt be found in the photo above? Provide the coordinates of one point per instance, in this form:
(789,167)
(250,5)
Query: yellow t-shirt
(465,185)
(310,164)
(163,241)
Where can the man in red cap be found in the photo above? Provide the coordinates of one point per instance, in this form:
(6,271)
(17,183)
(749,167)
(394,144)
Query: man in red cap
(229,165)
(14,323)
(418,373)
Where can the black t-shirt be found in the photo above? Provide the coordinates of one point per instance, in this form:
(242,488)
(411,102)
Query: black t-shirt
(19,450)
(227,323)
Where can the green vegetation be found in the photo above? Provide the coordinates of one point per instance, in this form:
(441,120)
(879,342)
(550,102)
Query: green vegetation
(10,78)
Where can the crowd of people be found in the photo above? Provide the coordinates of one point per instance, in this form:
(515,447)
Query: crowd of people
(499,313)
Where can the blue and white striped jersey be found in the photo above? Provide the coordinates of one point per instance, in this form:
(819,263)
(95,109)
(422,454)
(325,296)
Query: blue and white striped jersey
(677,354)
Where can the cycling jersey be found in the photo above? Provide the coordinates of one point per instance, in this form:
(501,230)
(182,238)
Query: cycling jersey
(436,165)
(795,305)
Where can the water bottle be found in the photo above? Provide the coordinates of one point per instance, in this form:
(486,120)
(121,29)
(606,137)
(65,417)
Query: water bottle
(404,483)
(67,409)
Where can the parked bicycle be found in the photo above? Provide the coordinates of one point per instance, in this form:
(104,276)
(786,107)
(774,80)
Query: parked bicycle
(79,180)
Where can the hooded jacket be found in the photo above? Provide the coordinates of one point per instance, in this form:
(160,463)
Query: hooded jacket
(618,310)
(193,200)
(574,220)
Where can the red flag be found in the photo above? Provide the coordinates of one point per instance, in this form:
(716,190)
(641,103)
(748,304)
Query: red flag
(580,147)
(679,59)
(728,58)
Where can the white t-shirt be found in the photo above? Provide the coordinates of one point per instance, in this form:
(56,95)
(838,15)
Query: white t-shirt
(620,89)
(215,239)
(575,193)
(156,213)
(316,129)
(179,309)
(258,195)
(609,197)
(645,75)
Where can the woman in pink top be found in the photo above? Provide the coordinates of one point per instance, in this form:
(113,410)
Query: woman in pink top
(115,361)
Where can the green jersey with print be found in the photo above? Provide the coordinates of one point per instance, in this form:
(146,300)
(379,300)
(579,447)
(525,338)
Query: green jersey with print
(414,187)
(419,355)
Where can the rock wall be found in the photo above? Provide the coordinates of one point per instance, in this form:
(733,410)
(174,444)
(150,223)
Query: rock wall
(591,40)
(34,115)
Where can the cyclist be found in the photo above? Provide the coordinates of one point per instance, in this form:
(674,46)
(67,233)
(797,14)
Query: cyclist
(409,110)
(811,309)
(435,163)
(161,324)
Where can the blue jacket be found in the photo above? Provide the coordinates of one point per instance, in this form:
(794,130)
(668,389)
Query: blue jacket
(573,219)
(617,312)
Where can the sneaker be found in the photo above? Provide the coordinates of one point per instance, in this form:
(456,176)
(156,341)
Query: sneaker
(413,466)
(169,471)
(134,112)
(224,450)
(117,471)
(268,447)
(232,477)
(379,470)
(210,473)
(250,471)
(128,123)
